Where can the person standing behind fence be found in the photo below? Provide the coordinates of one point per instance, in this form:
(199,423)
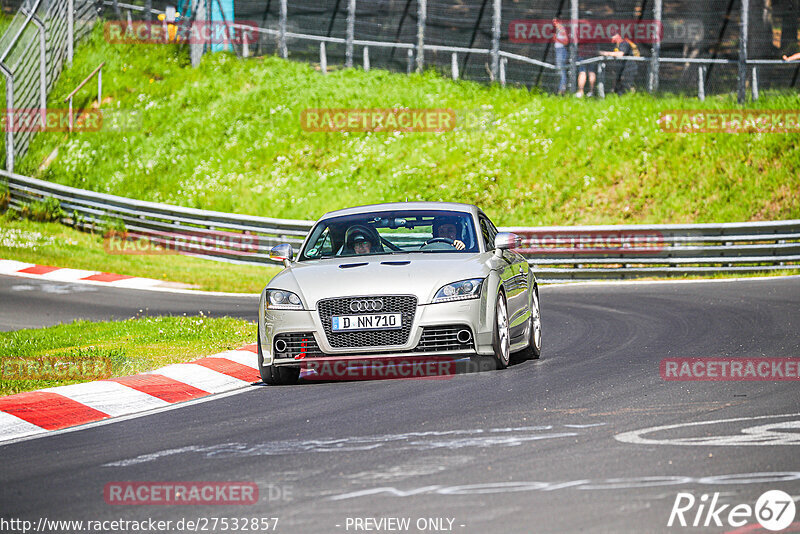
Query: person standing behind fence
(561,40)
(587,70)
(625,47)
(793,57)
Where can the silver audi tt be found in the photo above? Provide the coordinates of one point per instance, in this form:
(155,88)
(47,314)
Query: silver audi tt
(398,280)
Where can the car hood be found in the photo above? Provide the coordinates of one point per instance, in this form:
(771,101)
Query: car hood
(420,274)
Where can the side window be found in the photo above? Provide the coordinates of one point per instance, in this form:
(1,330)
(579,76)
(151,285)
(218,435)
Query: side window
(489,232)
(322,247)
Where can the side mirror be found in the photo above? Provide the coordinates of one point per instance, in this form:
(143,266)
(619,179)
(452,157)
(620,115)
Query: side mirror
(507,240)
(283,252)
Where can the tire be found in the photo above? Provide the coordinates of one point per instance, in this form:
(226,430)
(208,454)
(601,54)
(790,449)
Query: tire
(534,348)
(501,340)
(273,375)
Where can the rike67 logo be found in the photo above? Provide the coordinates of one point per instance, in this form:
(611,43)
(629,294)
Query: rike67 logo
(774,510)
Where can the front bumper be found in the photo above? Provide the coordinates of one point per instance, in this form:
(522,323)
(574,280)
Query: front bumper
(469,314)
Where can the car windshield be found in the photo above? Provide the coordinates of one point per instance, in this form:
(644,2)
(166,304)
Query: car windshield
(392,232)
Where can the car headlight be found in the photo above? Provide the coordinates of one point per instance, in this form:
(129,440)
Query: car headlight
(278,299)
(463,290)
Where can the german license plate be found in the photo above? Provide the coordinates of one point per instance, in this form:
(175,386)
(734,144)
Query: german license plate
(381,321)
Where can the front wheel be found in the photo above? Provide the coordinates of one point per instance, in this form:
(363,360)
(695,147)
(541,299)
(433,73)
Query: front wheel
(275,376)
(501,341)
(534,348)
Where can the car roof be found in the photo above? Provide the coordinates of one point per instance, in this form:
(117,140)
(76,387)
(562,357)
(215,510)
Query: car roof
(392,206)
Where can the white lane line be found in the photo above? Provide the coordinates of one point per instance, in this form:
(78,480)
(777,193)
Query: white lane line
(67,275)
(12,266)
(163,289)
(760,435)
(135,283)
(111,398)
(200,377)
(244,357)
(567,283)
(12,427)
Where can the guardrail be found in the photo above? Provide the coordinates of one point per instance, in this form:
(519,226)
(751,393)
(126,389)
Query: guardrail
(213,234)
(557,253)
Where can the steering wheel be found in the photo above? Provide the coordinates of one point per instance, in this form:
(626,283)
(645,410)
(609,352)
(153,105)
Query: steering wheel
(440,240)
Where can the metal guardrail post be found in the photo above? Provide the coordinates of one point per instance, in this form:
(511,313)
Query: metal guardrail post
(743,28)
(196,49)
(755,83)
(282,31)
(351,33)
(70,30)
(42,67)
(573,47)
(410,65)
(701,83)
(495,50)
(9,118)
(652,82)
(323,58)
(366,59)
(148,10)
(454,66)
(99,72)
(503,63)
(601,79)
(422,16)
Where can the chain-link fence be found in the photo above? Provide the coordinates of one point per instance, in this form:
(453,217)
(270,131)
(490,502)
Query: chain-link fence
(39,39)
(695,47)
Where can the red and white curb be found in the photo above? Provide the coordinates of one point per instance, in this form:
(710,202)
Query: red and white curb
(62,274)
(38,412)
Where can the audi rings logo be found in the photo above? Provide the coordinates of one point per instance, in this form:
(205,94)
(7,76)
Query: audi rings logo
(364,305)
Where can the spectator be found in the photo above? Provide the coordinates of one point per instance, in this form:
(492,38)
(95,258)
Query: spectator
(561,40)
(586,51)
(622,48)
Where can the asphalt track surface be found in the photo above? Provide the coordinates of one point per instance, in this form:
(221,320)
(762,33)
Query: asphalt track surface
(35,303)
(534,448)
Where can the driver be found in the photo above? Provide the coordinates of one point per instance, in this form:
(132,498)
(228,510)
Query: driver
(447,227)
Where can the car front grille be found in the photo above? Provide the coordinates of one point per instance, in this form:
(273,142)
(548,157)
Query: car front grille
(443,338)
(405,305)
(297,344)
